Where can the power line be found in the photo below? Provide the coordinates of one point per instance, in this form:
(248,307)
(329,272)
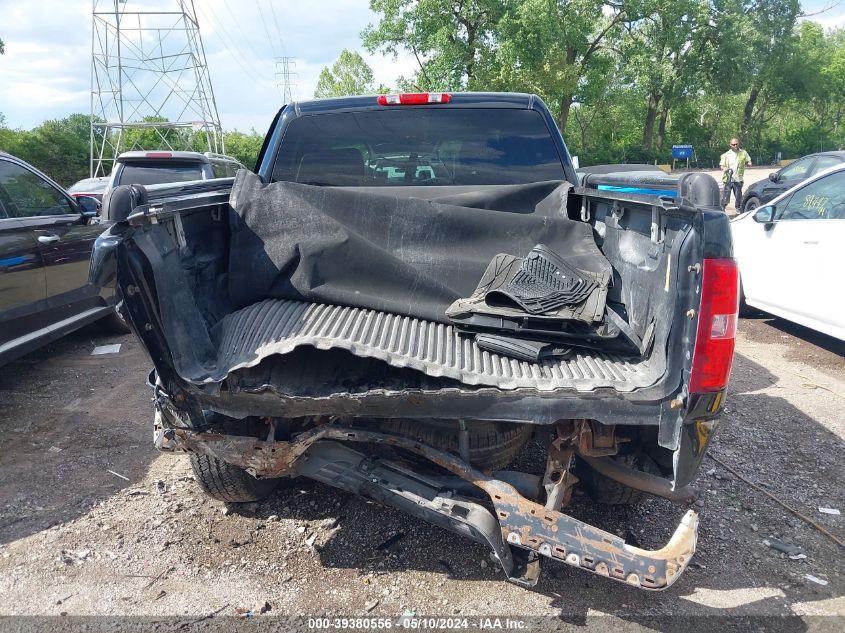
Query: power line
(278,30)
(266,30)
(247,40)
(232,49)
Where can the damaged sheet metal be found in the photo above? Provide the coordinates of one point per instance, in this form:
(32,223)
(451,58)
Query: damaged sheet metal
(277,326)
(524,523)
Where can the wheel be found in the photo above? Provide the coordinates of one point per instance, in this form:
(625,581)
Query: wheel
(492,445)
(605,490)
(225,482)
(114,323)
(752,203)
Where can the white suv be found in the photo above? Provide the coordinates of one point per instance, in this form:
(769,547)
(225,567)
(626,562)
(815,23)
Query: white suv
(160,166)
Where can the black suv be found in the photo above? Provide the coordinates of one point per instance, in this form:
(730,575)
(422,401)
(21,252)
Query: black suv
(764,191)
(46,238)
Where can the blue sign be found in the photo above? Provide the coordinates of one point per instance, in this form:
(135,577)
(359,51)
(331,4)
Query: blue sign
(681,151)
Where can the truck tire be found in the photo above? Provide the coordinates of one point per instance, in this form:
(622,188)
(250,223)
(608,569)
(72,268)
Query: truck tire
(225,482)
(608,491)
(114,324)
(492,445)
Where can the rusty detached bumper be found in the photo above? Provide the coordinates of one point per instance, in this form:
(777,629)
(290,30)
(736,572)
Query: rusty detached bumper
(519,531)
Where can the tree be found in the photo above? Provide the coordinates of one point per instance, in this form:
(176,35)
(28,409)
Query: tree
(550,46)
(2,48)
(58,147)
(349,75)
(661,55)
(244,147)
(751,41)
(450,39)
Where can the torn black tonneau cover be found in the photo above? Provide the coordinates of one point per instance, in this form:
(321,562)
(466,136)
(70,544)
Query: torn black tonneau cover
(400,255)
(374,274)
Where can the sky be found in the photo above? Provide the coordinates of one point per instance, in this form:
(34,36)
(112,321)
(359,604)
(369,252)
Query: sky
(46,71)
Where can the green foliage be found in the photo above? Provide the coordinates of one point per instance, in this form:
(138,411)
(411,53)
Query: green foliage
(244,147)
(61,148)
(349,75)
(452,40)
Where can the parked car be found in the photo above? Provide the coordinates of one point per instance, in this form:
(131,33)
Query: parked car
(150,168)
(764,191)
(46,238)
(791,250)
(327,317)
(91,187)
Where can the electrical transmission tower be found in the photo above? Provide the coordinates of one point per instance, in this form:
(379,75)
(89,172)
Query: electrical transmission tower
(285,79)
(150,85)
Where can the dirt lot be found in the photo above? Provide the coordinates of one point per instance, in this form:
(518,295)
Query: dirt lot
(94,522)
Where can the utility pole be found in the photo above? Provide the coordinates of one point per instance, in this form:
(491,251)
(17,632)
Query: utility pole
(150,84)
(285,79)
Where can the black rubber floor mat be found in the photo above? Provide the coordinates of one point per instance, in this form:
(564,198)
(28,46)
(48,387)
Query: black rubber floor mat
(543,283)
(531,351)
(493,297)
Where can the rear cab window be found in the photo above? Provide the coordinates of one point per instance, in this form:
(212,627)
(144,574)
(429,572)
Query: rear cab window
(419,146)
(150,172)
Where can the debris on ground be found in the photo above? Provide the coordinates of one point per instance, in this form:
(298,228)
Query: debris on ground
(249,613)
(106,349)
(369,606)
(74,557)
(833,511)
(444,564)
(119,475)
(56,449)
(787,548)
(386,544)
(818,581)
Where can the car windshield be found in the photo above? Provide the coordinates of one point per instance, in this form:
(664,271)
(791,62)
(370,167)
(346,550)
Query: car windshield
(157,172)
(419,146)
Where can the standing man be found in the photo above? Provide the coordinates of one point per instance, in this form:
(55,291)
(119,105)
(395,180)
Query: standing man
(736,160)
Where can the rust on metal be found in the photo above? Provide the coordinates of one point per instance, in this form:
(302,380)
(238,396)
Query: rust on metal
(524,523)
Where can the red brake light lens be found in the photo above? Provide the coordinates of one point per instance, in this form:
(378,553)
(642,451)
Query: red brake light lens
(159,155)
(714,342)
(414,98)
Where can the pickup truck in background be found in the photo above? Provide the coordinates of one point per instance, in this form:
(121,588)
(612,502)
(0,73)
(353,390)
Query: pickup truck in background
(410,289)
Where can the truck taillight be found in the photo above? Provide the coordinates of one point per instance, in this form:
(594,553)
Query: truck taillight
(414,98)
(714,343)
(158,155)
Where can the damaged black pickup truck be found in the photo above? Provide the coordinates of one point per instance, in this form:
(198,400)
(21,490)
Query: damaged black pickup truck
(408,290)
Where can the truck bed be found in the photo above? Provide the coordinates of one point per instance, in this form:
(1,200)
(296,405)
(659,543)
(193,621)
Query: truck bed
(277,327)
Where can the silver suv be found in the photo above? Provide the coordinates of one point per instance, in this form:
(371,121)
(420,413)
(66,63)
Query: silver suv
(160,166)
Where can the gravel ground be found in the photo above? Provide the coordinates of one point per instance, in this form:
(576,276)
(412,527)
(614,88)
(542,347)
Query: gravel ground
(94,522)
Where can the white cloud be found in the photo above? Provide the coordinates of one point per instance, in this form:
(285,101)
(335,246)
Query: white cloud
(829,21)
(45,72)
